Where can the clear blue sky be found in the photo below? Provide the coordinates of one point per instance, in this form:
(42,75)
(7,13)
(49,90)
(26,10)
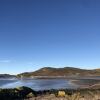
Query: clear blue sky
(58,33)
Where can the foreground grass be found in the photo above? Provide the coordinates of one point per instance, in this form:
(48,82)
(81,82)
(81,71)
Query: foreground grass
(25,93)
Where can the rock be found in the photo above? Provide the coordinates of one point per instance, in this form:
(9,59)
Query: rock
(30,95)
(25,91)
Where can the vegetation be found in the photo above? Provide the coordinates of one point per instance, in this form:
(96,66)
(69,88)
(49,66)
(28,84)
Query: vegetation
(16,94)
(22,93)
(67,71)
(61,93)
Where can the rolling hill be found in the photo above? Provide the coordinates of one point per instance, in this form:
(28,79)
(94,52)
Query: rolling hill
(66,71)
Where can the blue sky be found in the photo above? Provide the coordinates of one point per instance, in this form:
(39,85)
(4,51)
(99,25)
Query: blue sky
(58,33)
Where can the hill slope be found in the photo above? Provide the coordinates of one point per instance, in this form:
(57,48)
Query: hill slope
(66,71)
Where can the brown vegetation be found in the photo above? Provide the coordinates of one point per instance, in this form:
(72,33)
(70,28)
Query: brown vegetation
(67,71)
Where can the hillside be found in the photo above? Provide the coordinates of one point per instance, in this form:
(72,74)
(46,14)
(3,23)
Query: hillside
(66,71)
(7,76)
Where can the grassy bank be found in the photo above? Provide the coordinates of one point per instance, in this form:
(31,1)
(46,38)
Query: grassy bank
(25,93)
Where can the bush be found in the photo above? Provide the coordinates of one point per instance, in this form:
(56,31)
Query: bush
(16,93)
(61,93)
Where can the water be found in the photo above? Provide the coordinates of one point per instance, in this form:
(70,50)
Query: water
(37,84)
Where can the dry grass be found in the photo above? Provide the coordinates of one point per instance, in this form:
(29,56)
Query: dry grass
(62,95)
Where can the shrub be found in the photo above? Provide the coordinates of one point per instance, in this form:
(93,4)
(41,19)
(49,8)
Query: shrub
(61,93)
(30,95)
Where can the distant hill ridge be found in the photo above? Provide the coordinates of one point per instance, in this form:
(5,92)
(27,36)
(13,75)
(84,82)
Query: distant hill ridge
(7,76)
(66,71)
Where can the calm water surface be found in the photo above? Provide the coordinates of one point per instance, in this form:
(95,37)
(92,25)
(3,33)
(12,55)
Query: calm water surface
(43,84)
(37,84)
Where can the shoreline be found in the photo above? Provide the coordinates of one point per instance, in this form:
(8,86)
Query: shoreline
(88,89)
(86,83)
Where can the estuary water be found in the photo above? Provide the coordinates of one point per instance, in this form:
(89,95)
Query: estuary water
(37,84)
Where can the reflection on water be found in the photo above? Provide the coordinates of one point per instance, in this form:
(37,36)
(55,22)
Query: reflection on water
(38,84)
